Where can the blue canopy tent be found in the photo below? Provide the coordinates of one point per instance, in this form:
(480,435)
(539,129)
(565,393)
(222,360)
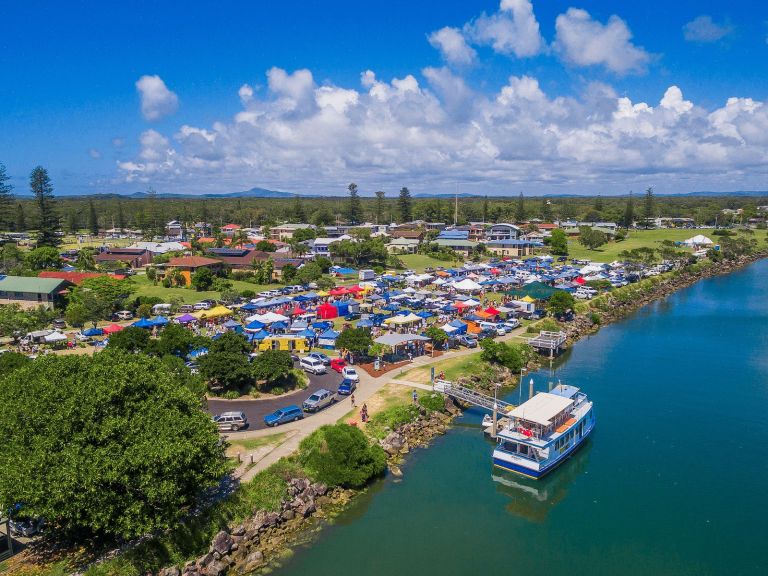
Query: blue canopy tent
(424,314)
(328,339)
(93,332)
(321,325)
(364,323)
(342,307)
(260,335)
(250,307)
(474,317)
(143,323)
(391,307)
(461,327)
(449,308)
(306,297)
(197,353)
(278,327)
(255,325)
(160,320)
(307,333)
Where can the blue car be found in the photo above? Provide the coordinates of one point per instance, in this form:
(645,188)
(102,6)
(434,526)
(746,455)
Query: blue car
(346,387)
(283,415)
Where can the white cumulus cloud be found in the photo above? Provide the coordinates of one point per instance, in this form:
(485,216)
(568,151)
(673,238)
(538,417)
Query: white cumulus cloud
(452,46)
(583,41)
(512,30)
(433,130)
(704,29)
(156,100)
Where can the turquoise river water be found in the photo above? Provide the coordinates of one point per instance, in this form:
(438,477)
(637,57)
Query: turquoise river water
(673,481)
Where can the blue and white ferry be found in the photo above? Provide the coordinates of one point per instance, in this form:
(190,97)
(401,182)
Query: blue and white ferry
(544,431)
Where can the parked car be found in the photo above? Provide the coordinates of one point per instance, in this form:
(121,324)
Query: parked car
(511,323)
(324,358)
(231,421)
(352,316)
(350,373)
(319,400)
(203,306)
(282,415)
(186,308)
(26,527)
(124,315)
(467,341)
(346,387)
(312,365)
(338,364)
(193,367)
(59,324)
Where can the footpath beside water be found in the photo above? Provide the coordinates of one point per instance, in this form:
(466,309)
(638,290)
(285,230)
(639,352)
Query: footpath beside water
(673,482)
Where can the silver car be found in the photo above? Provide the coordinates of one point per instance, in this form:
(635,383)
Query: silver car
(319,400)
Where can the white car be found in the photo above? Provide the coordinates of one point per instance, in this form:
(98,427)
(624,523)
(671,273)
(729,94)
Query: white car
(202,306)
(349,373)
(312,365)
(124,315)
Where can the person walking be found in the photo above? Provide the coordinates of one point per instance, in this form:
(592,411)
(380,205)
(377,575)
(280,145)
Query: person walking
(415,397)
(352,397)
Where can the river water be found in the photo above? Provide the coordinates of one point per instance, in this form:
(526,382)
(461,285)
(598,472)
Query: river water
(673,481)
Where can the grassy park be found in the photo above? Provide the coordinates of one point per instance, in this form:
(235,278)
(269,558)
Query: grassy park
(636,239)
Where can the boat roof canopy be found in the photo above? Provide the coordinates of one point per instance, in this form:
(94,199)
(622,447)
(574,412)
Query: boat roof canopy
(564,390)
(541,408)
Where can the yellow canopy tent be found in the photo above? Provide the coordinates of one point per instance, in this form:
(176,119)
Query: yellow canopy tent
(215,312)
(322,293)
(527,299)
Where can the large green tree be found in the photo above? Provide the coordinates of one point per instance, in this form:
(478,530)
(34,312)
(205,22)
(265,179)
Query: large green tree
(355,340)
(103,295)
(354,209)
(558,242)
(379,210)
(6,200)
(47,216)
(629,213)
(649,206)
(560,302)
(520,208)
(44,258)
(404,203)
(109,446)
(272,365)
(93,218)
(591,238)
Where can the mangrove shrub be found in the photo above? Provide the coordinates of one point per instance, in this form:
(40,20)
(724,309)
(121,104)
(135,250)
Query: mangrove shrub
(340,455)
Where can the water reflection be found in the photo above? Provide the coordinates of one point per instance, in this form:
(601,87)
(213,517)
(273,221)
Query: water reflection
(534,499)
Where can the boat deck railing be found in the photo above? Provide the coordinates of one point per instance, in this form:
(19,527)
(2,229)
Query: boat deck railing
(471,396)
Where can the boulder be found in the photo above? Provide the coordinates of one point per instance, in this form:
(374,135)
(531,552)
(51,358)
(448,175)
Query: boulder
(222,543)
(238,531)
(170,571)
(306,509)
(253,561)
(320,489)
(204,560)
(288,515)
(216,568)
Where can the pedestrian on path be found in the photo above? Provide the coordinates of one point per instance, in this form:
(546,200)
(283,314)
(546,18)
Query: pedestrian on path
(415,397)
(352,397)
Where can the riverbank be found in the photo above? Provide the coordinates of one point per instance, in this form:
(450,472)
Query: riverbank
(288,533)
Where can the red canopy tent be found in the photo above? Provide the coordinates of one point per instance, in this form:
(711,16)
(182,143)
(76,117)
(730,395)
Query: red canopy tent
(492,311)
(495,271)
(355,288)
(326,311)
(460,305)
(296,311)
(340,291)
(580,280)
(113,328)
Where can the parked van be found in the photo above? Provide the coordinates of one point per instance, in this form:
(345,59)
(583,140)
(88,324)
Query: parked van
(312,365)
(366,275)
(161,309)
(186,308)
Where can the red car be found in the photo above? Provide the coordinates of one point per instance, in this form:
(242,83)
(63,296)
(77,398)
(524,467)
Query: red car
(338,364)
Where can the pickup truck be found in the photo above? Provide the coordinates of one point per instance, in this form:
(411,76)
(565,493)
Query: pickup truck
(319,400)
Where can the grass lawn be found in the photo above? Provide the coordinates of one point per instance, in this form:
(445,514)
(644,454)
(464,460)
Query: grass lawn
(419,262)
(388,396)
(189,296)
(251,444)
(453,368)
(636,239)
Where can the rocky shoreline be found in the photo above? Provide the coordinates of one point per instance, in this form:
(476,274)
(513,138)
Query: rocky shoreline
(266,536)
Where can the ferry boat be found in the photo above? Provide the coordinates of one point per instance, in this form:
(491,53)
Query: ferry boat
(544,431)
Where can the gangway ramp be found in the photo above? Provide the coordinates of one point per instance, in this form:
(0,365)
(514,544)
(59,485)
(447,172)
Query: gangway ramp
(470,396)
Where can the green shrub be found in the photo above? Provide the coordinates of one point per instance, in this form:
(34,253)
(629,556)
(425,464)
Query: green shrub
(231,395)
(595,318)
(386,420)
(432,402)
(277,390)
(341,455)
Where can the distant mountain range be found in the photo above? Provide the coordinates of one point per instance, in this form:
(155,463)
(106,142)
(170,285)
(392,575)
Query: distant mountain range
(266,193)
(252,193)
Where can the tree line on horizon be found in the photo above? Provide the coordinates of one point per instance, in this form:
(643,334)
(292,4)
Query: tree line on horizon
(47,214)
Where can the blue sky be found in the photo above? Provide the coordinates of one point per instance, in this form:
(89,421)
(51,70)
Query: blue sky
(492,97)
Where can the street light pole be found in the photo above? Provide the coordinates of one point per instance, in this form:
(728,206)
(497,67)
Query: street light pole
(520,387)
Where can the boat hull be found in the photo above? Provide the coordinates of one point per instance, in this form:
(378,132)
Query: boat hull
(500,462)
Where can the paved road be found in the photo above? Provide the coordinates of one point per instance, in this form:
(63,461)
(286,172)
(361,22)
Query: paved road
(255,410)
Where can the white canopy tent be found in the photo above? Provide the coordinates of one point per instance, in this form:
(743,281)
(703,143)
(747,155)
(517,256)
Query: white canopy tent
(268,318)
(467,285)
(698,240)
